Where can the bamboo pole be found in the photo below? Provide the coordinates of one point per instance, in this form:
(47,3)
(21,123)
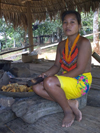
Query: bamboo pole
(96,56)
(29,20)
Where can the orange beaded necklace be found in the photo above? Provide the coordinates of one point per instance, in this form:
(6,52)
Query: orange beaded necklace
(68,57)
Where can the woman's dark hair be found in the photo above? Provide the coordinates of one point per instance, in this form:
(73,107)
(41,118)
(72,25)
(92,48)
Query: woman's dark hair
(77,14)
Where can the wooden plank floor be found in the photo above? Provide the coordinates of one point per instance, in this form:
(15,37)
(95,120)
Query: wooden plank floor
(52,124)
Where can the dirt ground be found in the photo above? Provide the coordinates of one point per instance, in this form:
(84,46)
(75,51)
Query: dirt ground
(48,53)
(51,56)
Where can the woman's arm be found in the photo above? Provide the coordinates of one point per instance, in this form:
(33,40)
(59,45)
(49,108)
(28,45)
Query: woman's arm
(83,62)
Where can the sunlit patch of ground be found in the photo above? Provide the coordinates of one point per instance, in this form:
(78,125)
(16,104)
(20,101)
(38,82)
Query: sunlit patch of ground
(49,56)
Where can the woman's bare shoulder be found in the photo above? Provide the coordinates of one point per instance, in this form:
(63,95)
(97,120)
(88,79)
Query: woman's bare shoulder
(62,43)
(84,42)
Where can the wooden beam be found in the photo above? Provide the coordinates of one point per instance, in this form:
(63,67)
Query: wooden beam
(14,50)
(24,1)
(29,20)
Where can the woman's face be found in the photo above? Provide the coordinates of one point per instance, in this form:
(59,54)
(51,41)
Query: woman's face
(70,25)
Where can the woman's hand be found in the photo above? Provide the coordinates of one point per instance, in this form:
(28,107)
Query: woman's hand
(43,75)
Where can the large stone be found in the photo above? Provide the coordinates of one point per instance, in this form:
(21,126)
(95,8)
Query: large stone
(6,115)
(31,109)
(6,101)
(4,80)
(93,98)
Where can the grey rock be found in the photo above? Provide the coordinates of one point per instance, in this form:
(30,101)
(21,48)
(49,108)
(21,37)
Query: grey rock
(6,101)
(30,110)
(4,80)
(6,115)
(93,98)
(82,101)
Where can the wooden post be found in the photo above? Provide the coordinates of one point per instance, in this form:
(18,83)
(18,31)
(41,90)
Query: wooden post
(29,20)
(95,30)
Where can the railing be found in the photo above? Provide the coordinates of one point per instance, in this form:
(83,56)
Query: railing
(95,55)
(91,34)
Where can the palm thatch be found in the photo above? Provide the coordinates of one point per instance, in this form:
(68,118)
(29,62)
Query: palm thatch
(17,11)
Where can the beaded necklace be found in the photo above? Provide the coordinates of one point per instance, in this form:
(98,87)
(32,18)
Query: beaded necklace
(68,57)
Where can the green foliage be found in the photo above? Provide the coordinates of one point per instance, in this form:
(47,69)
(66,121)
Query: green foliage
(90,38)
(10,34)
(47,27)
(87,21)
(44,28)
(4,46)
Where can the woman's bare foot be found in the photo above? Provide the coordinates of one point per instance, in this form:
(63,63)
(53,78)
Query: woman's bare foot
(74,106)
(68,119)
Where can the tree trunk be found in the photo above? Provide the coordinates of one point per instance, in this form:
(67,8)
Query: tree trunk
(5,36)
(95,30)
(14,43)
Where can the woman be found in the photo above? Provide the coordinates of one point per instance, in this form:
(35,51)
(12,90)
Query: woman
(74,57)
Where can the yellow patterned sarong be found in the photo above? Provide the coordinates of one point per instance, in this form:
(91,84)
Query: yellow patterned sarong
(75,87)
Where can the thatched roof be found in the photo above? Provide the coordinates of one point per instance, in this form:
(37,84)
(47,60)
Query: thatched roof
(15,11)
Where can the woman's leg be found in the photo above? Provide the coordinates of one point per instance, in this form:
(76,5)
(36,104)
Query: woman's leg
(40,90)
(52,86)
(74,106)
